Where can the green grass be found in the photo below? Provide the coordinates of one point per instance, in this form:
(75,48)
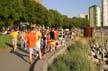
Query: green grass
(5,41)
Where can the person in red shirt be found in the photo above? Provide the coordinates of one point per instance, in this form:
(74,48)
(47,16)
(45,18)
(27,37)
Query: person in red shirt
(48,41)
(31,42)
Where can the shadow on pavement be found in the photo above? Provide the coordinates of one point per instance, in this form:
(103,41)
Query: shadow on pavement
(22,56)
(23,50)
(10,45)
(32,66)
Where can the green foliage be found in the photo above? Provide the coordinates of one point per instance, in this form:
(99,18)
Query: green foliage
(74,60)
(22,10)
(12,11)
(66,22)
(79,22)
(34,12)
(1,24)
(55,18)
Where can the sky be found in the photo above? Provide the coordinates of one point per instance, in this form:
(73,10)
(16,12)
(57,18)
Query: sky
(71,7)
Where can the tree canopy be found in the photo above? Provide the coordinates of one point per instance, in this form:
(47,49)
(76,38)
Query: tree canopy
(12,11)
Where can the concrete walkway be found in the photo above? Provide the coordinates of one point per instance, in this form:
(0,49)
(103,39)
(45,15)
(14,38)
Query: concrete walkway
(18,60)
(15,61)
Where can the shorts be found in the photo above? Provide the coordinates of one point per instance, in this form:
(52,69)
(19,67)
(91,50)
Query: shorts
(53,43)
(32,49)
(14,41)
(38,44)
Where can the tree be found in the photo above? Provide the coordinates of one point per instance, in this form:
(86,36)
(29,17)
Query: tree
(66,21)
(34,12)
(79,22)
(55,18)
(10,11)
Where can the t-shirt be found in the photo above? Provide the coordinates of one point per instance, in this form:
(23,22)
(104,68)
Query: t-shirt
(48,39)
(38,36)
(14,34)
(31,40)
(52,35)
(56,34)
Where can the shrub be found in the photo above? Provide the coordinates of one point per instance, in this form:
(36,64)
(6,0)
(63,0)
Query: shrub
(74,60)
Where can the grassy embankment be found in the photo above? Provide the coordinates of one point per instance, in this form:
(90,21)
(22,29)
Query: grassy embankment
(75,59)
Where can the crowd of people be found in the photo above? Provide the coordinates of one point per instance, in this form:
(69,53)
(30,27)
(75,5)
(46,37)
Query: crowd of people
(37,41)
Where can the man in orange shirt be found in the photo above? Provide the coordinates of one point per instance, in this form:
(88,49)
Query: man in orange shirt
(31,42)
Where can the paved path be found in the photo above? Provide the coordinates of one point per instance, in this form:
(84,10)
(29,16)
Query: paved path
(15,61)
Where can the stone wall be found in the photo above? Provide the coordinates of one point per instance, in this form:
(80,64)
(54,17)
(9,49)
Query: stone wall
(48,58)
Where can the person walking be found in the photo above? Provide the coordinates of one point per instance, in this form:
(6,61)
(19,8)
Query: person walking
(31,42)
(22,38)
(52,37)
(14,35)
(38,42)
